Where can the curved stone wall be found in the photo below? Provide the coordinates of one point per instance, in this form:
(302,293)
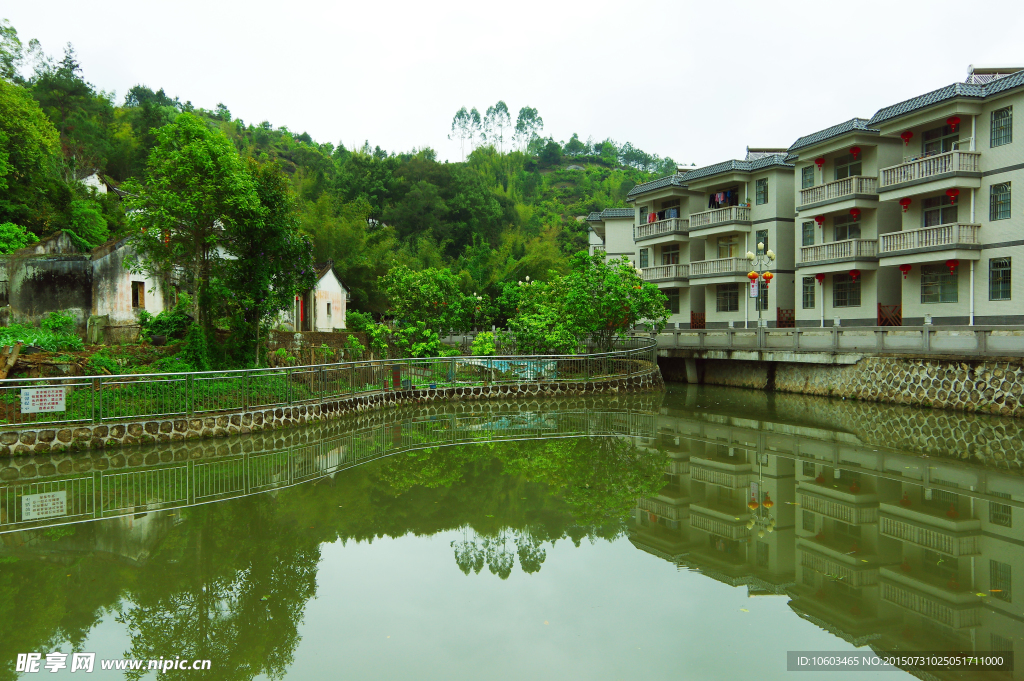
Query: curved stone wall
(43,439)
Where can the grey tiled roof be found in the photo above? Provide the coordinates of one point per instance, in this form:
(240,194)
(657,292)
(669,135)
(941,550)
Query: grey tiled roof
(742,166)
(611,213)
(618,213)
(859,124)
(667,181)
(949,92)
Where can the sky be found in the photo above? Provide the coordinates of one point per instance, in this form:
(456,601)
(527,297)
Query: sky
(698,82)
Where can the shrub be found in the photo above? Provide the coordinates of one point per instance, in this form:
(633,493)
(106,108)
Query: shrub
(173,323)
(58,322)
(13,237)
(354,349)
(43,339)
(357,321)
(483,344)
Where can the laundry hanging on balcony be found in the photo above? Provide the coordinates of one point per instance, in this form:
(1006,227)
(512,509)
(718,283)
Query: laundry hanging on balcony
(729,197)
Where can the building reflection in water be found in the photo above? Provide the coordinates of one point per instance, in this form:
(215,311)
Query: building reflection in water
(881,547)
(888,532)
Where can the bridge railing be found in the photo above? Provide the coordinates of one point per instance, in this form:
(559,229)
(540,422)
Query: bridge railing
(110,399)
(967,341)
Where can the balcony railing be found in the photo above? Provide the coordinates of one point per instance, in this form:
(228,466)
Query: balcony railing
(943,235)
(712,525)
(672,225)
(719,477)
(660,272)
(719,216)
(837,250)
(848,186)
(930,166)
(930,606)
(662,509)
(848,513)
(837,570)
(719,266)
(950,543)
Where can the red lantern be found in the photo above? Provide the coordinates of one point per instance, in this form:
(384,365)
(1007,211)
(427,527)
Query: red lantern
(905,501)
(768,503)
(855,213)
(819,162)
(820,219)
(751,276)
(855,274)
(952,512)
(952,265)
(952,194)
(820,278)
(905,202)
(767,276)
(905,269)
(952,122)
(752,504)
(906,135)
(855,152)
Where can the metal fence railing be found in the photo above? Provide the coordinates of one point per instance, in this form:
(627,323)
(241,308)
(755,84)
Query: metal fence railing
(84,400)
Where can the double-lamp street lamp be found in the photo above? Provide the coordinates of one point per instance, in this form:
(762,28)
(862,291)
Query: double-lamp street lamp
(760,274)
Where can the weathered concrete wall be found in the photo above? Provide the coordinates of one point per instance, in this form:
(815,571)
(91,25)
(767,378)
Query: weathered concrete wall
(112,286)
(990,386)
(45,439)
(42,284)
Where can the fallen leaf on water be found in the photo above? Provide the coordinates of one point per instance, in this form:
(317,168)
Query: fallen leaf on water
(490,515)
(545,621)
(982,595)
(265,598)
(744,610)
(996,590)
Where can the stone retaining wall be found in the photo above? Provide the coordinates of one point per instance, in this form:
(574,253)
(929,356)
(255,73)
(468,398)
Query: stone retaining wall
(43,439)
(989,386)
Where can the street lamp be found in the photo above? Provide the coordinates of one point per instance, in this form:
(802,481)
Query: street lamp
(761,262)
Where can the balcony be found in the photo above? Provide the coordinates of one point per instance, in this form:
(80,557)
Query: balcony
(721,266)
(954,615)
(945,535)
(852,513)
(928,239)
(666,272)
(853,573)
(729,529)
(722,478)
(849,249)
(846,188)
(930,167)
(660,508)
(719,217)
(662,228)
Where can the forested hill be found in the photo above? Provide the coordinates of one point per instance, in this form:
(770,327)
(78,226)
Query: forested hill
(499,215)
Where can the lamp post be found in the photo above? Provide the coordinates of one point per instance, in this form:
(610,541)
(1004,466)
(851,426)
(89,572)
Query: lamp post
(760,262)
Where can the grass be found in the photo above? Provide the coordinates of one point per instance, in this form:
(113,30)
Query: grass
(41,338)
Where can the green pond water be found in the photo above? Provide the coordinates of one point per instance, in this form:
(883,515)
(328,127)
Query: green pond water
(576,539)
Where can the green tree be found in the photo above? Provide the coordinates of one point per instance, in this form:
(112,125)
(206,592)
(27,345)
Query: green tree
(29,145)
(574,147)
(196,187)
(10,51)
(496,121)
(431,296)
(88,227)
(528,126)
(268,260)
(462,129)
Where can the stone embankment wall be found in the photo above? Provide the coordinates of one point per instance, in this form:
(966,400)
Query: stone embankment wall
(43,439)
(989,386)
(257,442)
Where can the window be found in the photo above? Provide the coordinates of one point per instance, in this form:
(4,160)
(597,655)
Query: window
(999,279)
(1002,127)
(673,300)
(761,189)
(762,238)
(138,295)
(999,580)
(643,215)
(941,499)
(762,554)
(728,298)
(938,285)
(729,247)
(808,577)
(1000,514)
(846,227)
(845,291)
(807,177)
(761,302)
(808,293)
(999,201)
(808,470)
(644,258)
(808,521)
(1001,644)
(670,254)
(807,231)
(846,166)
(938,210)
(939,140)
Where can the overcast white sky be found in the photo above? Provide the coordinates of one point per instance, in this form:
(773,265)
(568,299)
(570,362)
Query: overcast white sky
(694,81)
